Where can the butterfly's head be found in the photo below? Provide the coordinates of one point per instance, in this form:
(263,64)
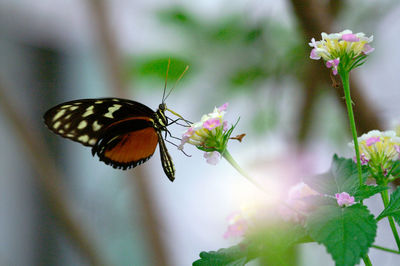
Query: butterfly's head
(162,107)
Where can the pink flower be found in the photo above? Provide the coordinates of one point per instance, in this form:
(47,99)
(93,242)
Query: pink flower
(185,137)
(223,107)
(397,148)
(189,132)
(372,140)
(212,123)
(333,64)
(350,37)
(212,157)
(368,49)
(344,199)
(314,55)
(225,124)
(364,160)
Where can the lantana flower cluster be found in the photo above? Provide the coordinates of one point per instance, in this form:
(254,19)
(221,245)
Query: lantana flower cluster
(210,134)
(379,150)
(341,51)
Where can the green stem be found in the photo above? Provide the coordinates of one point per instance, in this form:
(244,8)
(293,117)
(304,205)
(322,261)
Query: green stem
(385,199)
(386,249)
(367,261)
(235,165)
(346,87)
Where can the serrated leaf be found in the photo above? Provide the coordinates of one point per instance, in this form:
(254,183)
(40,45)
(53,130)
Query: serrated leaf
(393,208)
(342,177)
(365,191)
(233,256)
(347,233)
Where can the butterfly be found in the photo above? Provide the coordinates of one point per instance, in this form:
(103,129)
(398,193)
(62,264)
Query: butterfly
(121,132)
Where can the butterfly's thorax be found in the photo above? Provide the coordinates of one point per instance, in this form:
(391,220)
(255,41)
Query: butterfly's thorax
(161,121)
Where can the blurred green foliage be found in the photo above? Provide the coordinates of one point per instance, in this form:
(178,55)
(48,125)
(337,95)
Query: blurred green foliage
(238,55)
(245,54)
(270,245)
(153,68)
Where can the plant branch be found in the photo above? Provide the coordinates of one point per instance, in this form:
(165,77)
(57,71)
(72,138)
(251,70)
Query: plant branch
(346,88)
(386,249)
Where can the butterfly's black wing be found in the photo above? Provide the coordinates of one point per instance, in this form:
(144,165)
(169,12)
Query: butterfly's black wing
(121,132)
(85,120)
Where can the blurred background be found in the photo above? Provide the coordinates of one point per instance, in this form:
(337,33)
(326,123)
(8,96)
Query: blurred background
(61,206)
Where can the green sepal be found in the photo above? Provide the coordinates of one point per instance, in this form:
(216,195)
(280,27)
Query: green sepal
(219,142)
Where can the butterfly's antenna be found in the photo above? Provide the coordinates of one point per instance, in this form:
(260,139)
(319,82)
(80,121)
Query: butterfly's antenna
(166,79)
(184,71)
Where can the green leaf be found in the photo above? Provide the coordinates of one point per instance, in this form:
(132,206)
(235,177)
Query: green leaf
(365,191)
(393,208)
(153,67)
(347,233)
(178,16)
(235,255)
(248,76)
(342,177)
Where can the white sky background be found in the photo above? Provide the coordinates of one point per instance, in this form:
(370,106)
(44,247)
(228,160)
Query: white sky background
(194,207)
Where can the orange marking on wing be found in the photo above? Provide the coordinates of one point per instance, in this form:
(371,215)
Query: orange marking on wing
(134,146)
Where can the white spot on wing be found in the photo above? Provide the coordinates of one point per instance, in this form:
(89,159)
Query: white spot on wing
(66,126)
(59,114)
(89,111)
(96,126)
(69,135)
(82,124)
(84,138)
(112,109)
(56,124)
(72,108)
(92,141)
(98,102)
(67,117)
(65,106)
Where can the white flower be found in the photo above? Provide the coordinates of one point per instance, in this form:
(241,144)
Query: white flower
(379,149)
(351,49)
